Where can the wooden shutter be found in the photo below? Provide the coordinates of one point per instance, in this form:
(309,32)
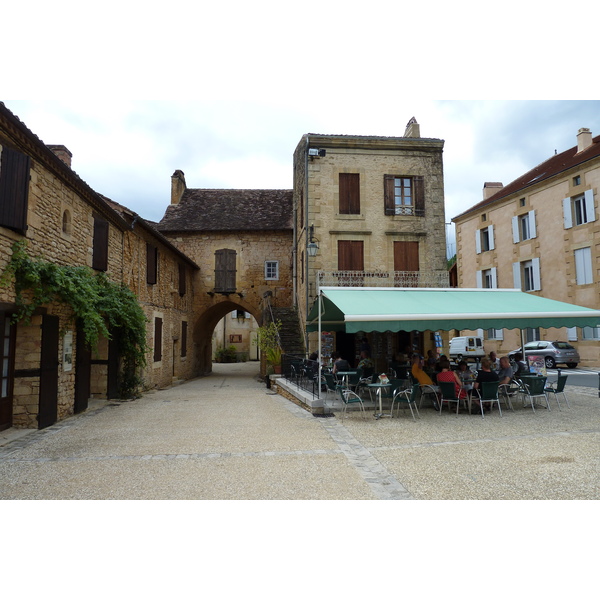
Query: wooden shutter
(184,328)
(389,204)
(14,189)
(100,252)
(349,189)
(157,339)
(419,195)
(182,281)
(225,271)
(151,264)
(406,256)
(350,256)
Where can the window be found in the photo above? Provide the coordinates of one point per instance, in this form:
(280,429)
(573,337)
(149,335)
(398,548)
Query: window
(351,258)
(577,180)
(590,333)
(487,278)
(272,269)
(532,334)
(526,275)
(579,210)
(184,328)
(14,189)
(523,227)
(404,195)
(225,271)
(495,334)
(349,190)
(483,218)
(100,243)
(484,239)
(182,280)
(66,223)
(151,264)
(522,202)
(157,339)
(406,264)
(583,266)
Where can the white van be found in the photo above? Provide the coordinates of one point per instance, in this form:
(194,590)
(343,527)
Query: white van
(462,348)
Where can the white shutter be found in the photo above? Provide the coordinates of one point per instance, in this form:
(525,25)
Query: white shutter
(580,266)
(567,213)
(491,236)
(479,278)
(589,206)
(537,282)
(480,333)
(571,334)
(515,228)
(494,274)
(478,241)
(517,275)
(532,230)
(499,334)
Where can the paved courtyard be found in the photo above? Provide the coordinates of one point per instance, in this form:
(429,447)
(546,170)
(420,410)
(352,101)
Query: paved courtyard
(227,436)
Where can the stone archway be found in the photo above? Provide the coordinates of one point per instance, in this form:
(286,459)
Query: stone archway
(206,324)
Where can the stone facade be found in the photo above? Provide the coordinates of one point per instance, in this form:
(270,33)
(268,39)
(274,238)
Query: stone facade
(319,161)
(525,223)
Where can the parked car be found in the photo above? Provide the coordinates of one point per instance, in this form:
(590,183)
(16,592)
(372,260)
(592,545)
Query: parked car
(553,352)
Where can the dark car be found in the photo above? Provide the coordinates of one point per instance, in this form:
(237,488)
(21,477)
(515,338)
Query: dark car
(553,352)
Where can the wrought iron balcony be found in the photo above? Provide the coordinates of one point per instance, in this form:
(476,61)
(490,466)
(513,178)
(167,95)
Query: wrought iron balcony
(375,278)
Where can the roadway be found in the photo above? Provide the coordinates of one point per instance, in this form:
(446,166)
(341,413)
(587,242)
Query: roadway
(580,377)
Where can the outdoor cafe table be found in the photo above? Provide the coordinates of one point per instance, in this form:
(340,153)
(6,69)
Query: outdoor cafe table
(378,387)
(344,375)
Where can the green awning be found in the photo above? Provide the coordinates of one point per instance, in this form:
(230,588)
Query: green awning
(431,309)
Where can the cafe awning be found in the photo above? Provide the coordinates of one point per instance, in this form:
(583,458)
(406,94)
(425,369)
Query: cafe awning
(357,309)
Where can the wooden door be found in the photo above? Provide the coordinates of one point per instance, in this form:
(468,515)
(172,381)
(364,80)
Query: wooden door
(7,344)
(83,370)
(48,406)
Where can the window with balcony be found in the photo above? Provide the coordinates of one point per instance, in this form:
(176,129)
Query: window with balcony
(404,195)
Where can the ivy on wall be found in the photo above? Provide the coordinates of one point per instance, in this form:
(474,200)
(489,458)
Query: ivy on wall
(103,308)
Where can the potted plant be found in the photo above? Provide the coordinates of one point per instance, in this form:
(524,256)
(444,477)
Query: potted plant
(268,342)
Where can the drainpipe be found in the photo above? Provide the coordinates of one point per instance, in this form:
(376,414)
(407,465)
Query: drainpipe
(306,236)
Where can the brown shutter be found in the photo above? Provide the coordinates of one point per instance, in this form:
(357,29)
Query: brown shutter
(151,264)
(349,190)
(419,192)
(184,327)
(157,339)
(350,256)
(14,189)
(388,195)
(100,252)
(406,256)
(225,271)
(182,281)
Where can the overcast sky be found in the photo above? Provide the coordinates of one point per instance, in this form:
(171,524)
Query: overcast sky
(225,92)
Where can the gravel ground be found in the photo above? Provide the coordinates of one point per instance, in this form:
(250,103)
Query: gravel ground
(227,437)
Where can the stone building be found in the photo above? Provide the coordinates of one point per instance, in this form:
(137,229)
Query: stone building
(242,241)
(48,373)
(374,207)
(538,234)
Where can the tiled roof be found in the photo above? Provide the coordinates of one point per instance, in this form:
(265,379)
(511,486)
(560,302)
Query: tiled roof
(553,166)
(229,210)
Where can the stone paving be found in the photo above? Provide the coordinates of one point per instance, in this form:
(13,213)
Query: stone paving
(228,437)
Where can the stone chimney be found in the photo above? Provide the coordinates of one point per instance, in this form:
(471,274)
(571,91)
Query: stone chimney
(62,152)
(490,188)
(177,186)
(413,129)
(584,139)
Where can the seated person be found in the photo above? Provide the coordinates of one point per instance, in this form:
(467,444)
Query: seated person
(339,363)
(447,375)
(505,372)
(520,367)
(494,360)
(417,370)
(484,375)
(465,375)
(366,364)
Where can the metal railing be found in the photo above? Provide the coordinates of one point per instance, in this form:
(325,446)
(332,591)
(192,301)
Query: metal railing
(301,372)
(376,278)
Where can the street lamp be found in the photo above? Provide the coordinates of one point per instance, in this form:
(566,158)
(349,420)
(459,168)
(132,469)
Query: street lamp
(312,247)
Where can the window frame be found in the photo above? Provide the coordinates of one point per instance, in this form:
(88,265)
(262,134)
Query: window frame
(416,208)
(584,273)
(576,207)
(269,265)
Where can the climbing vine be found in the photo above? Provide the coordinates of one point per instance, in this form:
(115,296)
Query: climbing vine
(102,308)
